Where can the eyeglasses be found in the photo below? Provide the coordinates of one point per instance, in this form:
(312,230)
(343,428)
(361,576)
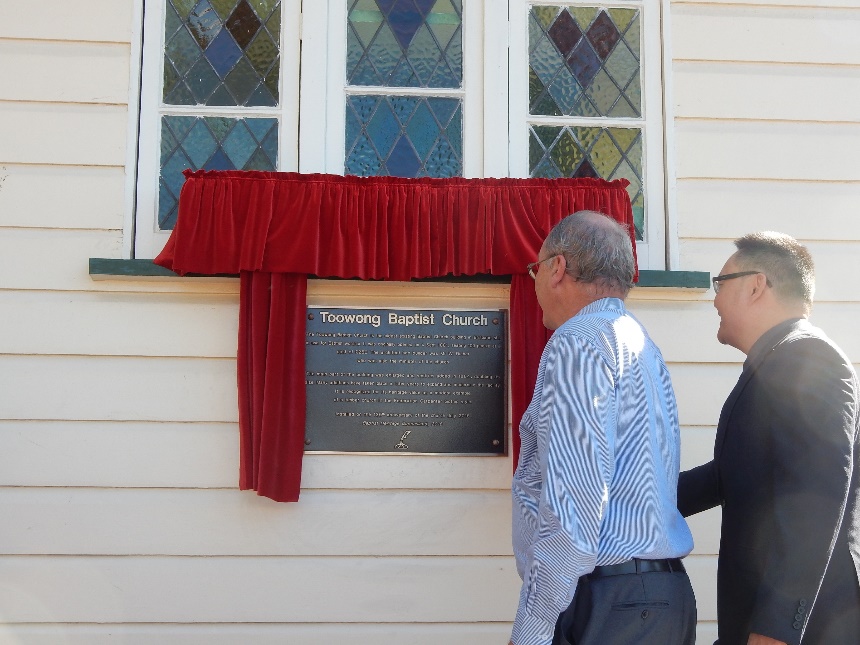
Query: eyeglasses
(533,267)
(717,279)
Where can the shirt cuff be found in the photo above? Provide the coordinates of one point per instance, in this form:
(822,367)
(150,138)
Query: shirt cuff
(531,630)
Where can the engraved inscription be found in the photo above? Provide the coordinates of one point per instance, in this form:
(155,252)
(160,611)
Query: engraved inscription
(376,377)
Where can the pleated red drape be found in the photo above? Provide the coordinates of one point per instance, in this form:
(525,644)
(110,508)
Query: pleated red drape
(275,229)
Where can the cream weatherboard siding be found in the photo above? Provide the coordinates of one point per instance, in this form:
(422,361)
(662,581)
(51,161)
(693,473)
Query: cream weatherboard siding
(118,419)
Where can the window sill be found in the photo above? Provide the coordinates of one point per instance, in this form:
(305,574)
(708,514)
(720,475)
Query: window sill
(114,269)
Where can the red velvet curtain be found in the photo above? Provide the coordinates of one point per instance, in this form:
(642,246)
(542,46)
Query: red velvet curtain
(274,229)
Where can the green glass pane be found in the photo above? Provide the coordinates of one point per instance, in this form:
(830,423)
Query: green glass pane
(633,92)
(242,81)
(547,134)
(545,15)
(223,7)
(603,92)
(604,155)
(536,152)
(584,16)
(262,53)
(264,7)
(622,17)
(405,43)
(183,7)
(632,37)
(566,154)
(622,65)
(585,135)
(623,109)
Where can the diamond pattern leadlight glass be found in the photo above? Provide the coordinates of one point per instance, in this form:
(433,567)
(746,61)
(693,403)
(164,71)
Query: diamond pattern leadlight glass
(221,52)
(584,61)
(210,143)
(405,43)
(580,151)
(404,136)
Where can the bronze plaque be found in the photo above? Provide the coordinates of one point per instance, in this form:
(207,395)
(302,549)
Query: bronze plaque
(406,381)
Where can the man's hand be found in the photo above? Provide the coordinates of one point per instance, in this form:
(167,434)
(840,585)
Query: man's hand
(758,639)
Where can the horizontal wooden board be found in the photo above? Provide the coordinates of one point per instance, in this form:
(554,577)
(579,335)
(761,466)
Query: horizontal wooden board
(724,90)
(201,455)
(90,521)
(706,531)
(67,197)
(765,34)
(834,263)
(248,589)
(767,150)
(63,133)
(86,388)
(62,20)
(807,210)
(257,633)
(205,325)
(118,388)
(56,259)
(697,445)
(119,324)
(64,72)
(257,589)
(687,331)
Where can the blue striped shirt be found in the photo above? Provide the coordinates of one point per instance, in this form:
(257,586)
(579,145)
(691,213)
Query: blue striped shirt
(596,482)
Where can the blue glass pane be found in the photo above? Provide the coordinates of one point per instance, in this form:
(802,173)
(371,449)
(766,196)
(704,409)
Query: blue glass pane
(406,136)
(211,143)
(221,52)
(405,43)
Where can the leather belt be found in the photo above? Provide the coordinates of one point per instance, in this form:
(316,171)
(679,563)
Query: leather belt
(673,565)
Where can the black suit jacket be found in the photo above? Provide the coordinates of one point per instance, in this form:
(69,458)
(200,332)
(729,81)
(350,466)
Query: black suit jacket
(785,471)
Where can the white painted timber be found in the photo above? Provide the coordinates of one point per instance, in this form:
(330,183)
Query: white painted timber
(206,455)
(765,34)
(687,331)
(768,150)
(257,633)
(701,390)
(91,521)
(706,531)
(67,197)
(697,444)
(153,589)
(807,210)
(835,262)
(117,388)
(113,454)
(702,570)
(64,72)
(119,324)
(766,91)
(63,133)
(102,20)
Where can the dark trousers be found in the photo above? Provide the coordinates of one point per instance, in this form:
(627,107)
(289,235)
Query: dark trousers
(637,608)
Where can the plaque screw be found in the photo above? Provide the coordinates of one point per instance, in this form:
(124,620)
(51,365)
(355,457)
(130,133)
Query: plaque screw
(496,442)
(310,316)
(307,442)
(495,321)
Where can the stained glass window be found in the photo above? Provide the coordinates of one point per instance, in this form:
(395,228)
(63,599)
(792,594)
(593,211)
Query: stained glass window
(404,44)
(210,143)
(584,68)
(221,52)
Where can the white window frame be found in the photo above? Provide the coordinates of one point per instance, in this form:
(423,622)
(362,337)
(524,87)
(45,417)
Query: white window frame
(148,239)
(321,139)
(652,251)
(495,105)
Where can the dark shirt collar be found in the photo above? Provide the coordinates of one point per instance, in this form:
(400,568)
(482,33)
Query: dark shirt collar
(768,340)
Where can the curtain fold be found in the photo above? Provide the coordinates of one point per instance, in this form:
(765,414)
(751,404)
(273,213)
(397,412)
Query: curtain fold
(275,229)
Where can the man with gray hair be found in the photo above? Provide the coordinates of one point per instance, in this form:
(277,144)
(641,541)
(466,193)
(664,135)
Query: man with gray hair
(596,530)
(786,460)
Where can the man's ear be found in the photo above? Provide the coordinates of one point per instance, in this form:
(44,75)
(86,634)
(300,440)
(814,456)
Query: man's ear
(757,286)
(558,269)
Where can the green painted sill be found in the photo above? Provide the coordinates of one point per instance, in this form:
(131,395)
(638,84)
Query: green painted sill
(107,268)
